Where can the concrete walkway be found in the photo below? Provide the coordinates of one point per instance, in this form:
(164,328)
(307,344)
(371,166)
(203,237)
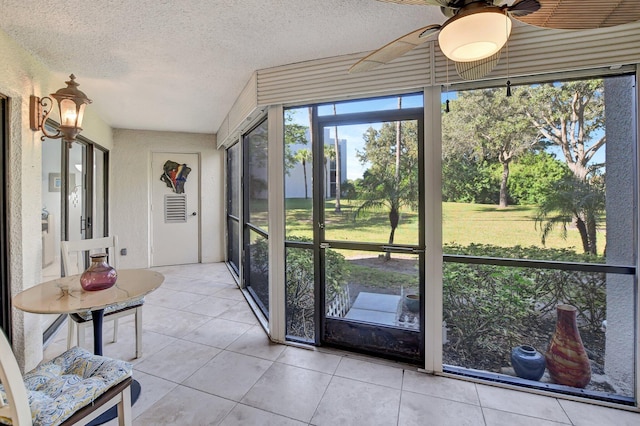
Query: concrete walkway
(375,308)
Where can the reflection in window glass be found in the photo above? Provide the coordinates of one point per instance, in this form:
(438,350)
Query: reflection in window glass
(77,190)
(233,206)
(51,208)
(258,270)
(99,193)
(256,181)
(51,215)
(233,180)
(298,180)
(256,192)
(234,244)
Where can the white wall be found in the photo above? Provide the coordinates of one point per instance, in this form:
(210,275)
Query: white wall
(130,200)
(294,181)
(22,75)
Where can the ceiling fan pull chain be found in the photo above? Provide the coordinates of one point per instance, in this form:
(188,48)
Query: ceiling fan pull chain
(446,108)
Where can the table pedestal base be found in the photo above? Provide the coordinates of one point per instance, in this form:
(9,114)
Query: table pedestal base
(112,413)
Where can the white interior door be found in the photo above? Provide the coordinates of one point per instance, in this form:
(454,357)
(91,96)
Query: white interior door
(175,211)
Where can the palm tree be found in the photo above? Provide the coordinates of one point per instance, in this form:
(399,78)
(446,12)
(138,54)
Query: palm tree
(390,195)
(574,200)
(391,181)
(302,156)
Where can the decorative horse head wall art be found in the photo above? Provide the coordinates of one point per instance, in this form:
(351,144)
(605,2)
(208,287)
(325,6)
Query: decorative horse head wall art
(175,175)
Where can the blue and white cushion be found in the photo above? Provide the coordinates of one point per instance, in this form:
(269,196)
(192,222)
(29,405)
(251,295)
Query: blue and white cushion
(62,386)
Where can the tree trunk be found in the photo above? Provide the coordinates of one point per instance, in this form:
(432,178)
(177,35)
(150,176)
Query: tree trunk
(582,228)
(394,214)
(591,234)
(588,233)
(398,144)
(394,219)
(504,192)
(304,172)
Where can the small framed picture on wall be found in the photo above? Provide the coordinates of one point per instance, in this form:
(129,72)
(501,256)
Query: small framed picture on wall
(55,182)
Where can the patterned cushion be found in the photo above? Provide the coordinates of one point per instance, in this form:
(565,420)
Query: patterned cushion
(112,308)
(60,387)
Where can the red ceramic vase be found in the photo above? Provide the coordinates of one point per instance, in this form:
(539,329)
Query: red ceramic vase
(566,357)
(99,275)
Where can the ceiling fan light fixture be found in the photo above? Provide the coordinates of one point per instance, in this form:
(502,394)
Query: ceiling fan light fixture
(475,34)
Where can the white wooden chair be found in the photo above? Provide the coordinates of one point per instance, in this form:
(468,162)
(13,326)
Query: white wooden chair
(73,256)
(72,389)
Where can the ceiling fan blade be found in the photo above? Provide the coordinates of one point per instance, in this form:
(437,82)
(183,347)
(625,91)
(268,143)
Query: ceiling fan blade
(523,8)
(477,69)
(395,49)
(583,14)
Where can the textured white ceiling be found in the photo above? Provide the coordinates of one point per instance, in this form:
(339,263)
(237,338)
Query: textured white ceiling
(178,65)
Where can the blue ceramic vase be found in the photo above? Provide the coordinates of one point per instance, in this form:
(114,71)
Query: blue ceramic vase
(527,362)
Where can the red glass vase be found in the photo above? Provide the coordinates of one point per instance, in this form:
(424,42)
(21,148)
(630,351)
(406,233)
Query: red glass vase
(99,275)
(567,360)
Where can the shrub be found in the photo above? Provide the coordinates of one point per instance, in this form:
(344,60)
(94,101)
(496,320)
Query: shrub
(484,308)
(490,309)
(300,297)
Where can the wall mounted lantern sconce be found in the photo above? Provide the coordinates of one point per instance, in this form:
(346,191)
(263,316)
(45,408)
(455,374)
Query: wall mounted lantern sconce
(71,104)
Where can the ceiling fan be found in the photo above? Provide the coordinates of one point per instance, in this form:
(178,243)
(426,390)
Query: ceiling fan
(476,30)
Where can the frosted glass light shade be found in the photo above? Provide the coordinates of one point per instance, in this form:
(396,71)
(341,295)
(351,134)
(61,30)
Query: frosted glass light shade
(72,103)
(475,36)
(68,113)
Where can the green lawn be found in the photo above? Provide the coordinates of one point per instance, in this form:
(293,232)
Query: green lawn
(462,224)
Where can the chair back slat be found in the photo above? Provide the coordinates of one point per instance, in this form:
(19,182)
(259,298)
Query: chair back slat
(17,407)
(73,253)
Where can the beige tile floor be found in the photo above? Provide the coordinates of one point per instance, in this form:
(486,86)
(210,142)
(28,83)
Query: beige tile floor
(207,361)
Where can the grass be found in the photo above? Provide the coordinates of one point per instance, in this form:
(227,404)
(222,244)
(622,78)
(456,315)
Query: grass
(462,223)
(381,279)
(369,226)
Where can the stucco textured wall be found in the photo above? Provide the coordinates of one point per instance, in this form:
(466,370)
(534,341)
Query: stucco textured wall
(21,75)
(130,204)
(621,214)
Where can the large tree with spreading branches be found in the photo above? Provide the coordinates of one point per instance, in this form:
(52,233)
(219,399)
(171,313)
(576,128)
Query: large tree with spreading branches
(571,116)
(486,125)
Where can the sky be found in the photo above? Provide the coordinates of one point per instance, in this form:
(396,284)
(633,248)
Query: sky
(353,133)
